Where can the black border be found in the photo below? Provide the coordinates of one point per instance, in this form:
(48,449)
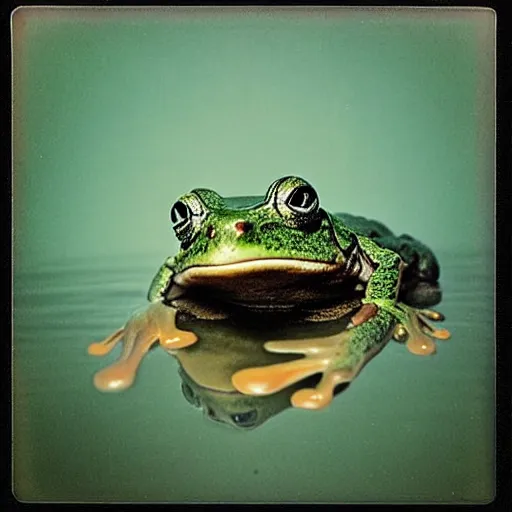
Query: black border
(503,304)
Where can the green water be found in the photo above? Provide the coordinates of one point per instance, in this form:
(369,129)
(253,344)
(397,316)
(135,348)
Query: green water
(389,114)
(408,428)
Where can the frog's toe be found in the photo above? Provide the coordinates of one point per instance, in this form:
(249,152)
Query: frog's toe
(418,333)
(105,346)
(432,315)
(266,380)
(439,333)
(416,342)
(321,395)
(121,374)
(311,398)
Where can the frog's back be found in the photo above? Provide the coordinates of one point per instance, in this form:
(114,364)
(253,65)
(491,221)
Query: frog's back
(239,202)
(363,226)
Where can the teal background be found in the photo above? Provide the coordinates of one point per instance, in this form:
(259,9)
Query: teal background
(117,112)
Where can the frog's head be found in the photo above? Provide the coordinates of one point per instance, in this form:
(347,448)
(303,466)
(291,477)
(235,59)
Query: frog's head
(232,408)
(258,243)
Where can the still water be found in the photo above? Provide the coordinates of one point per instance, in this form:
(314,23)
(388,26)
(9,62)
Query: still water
(408,429)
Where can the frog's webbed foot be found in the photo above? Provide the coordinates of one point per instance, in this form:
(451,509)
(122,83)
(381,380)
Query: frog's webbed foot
(156,323)
(339,358)
(417,332)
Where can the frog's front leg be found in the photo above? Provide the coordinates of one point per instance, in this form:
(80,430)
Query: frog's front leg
(156,323)
(339,358)
(162,282)
(382,270)
(381,294)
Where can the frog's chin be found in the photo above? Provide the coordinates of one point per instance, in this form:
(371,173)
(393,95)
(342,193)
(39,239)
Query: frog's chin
(275,280)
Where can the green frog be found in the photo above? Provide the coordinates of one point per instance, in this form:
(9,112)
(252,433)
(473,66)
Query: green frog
(282,254)
(230,247)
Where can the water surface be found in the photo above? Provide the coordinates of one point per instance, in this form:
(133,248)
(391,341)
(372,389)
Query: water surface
(408,429)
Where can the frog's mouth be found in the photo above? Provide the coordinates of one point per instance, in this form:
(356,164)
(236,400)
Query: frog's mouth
(263,281)
(239,269)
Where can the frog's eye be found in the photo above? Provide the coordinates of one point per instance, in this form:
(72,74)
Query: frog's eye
(303,199)
(186,216)
(180,213)
(245,419)
(181,220)
(296,201)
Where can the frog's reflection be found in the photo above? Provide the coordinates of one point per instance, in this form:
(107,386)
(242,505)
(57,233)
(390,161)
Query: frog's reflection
(233,408)
(227,348)
(237,410)
(241,369)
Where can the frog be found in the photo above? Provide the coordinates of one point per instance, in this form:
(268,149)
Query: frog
(282,253)
(226,242)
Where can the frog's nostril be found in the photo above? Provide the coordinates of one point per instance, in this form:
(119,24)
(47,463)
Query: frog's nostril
(243,227)
(210,231)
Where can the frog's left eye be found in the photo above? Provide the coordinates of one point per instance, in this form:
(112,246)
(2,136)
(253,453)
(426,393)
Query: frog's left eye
(180,213)
(186,216)
(181,220)
(303,199)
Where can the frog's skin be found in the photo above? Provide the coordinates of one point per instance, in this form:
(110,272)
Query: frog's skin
(283,251)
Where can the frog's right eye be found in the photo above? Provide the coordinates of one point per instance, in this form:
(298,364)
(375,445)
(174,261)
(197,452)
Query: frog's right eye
(186,216)
(181,217)
(180,213)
